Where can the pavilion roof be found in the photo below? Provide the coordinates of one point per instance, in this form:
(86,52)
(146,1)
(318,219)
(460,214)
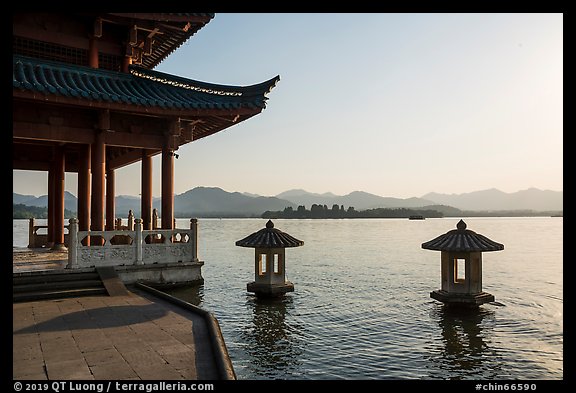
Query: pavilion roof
(140,87)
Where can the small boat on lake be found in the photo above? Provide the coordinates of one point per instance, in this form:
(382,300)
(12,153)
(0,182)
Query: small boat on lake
(416,217)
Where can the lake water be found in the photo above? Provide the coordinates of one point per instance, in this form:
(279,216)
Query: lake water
(361,308)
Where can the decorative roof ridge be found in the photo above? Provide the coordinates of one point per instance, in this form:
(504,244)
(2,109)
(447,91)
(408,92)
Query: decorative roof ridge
(178,81)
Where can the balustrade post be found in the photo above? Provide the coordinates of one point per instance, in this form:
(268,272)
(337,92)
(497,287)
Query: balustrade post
(194,238)
(138,241)
(154,219)
(31,237)
(72,244)
(130,220)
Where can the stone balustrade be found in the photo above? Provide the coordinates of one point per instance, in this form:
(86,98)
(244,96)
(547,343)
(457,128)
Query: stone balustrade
(132,247)
(39,240)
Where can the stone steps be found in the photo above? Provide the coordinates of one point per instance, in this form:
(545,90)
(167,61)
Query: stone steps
(44,277)
(53,285)
(57,285)
(57,294)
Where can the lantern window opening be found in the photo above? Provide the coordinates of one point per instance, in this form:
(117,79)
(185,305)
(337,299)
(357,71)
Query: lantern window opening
(459,270)
(276,268)
(262,265)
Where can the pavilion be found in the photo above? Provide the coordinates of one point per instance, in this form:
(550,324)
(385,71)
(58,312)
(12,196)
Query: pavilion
(87,100)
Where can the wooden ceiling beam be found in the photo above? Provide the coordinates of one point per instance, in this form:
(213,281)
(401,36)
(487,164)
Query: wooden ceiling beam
(66,134)
(52,133)
(27,165)
(129,158)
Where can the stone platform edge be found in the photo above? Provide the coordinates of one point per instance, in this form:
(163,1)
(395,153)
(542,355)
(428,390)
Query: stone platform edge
(223,362)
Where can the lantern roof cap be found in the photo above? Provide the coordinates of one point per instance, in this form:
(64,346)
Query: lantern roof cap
(462,239)
(269,237)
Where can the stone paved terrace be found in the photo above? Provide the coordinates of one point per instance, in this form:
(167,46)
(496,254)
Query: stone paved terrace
(26,259)
(137,336)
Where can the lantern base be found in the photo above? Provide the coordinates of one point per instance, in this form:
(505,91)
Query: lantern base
(462,299)
(270,290)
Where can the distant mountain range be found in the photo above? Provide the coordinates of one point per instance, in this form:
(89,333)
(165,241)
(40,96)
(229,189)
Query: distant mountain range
(214,202)
(70,201)
(493,199)
(198,202)
(359,199)
(485,200)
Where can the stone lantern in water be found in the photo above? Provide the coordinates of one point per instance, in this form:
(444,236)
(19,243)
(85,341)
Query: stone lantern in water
(461,267)
(270,260)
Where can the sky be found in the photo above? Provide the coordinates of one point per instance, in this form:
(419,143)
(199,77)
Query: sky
(392,104)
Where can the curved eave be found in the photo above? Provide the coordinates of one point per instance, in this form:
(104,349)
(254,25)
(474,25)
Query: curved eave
(259,89)
(121,107)
(141,90)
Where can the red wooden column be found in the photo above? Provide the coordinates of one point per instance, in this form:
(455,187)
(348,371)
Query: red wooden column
(93,53)
(98,175)
(59,175)
(50,223)
(84,191)
(110,203)
(170,145)
(167,188)
(146,199)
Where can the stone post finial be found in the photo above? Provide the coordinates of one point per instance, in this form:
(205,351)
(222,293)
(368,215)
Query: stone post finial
(130,220)
(194,238)
(154,218)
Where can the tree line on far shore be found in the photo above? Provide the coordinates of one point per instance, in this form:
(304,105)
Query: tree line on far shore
(322,211)
(20,211)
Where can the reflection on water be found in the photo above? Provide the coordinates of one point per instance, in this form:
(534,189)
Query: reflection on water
(465,335)
(193,294)
(269,341)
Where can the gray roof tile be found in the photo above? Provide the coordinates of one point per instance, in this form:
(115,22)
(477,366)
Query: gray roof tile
(141,87)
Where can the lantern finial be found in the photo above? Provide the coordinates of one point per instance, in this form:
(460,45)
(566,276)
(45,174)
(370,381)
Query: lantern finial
(461,226)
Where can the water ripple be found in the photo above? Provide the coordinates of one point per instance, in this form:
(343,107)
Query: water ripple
(361,307)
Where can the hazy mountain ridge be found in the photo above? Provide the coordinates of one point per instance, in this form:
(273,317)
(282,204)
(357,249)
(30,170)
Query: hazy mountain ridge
(42,201)
(214,201)
(493,199)
(360,200)
(199,201)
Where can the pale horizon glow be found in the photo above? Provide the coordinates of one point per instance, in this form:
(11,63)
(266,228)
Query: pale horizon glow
(396,105)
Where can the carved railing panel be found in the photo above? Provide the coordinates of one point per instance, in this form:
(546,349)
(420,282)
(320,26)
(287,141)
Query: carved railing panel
(167,245)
